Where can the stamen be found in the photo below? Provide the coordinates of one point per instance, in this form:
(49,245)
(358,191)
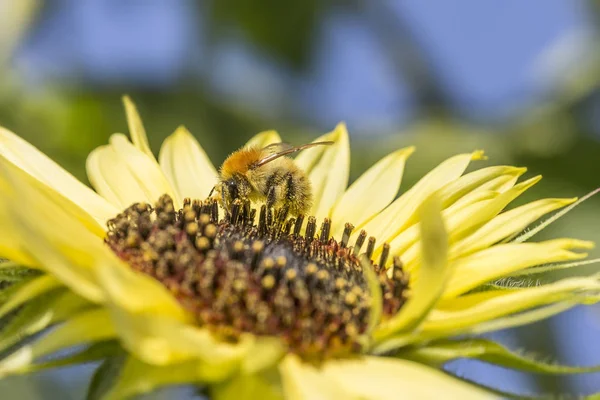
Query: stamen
(240,276)
(346,235)
(359,242)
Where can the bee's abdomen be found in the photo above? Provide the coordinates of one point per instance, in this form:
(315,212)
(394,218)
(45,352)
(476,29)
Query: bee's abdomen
(291,188)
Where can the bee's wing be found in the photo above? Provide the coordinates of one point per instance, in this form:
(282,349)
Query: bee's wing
(276,150)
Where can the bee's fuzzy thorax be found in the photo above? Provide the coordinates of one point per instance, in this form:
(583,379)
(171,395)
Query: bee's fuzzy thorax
(240,162)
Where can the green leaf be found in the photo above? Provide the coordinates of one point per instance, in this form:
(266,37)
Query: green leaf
(40,313)
(11,272)
(94,352)
(85,328)
(440,352)
(106,375)
(12,281)
(28,291)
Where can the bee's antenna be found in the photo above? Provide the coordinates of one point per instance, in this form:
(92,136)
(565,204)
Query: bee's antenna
(212,190)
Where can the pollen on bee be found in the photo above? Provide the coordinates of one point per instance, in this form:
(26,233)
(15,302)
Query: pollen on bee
(265,278)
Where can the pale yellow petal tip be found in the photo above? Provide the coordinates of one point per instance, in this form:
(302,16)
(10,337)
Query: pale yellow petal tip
(405,152)
(182,131)
(127,102)
(581,244)
(531,181)
(517,171)
(567,201)
(340,131)
(118,139)
(478,155)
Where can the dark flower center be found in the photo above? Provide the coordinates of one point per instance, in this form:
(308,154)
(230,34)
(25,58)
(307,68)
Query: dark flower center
(267,277)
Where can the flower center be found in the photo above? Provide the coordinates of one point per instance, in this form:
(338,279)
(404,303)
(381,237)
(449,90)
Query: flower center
(267,278)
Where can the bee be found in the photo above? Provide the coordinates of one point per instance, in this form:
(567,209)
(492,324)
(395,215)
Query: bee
(266,174)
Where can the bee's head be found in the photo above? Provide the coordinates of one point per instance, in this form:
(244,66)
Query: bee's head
(234,188)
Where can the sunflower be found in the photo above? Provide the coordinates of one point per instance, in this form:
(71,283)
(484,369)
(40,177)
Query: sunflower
(368,297)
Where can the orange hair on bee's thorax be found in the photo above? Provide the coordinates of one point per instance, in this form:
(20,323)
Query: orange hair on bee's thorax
(240,161)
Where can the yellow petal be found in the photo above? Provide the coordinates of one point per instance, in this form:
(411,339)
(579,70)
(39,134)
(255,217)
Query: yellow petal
(523,318)
(161,340)
(490,178)
(304,382)
(406,243)
(371,192)
(10,246)
(434,274)
(500,260)
(49,233)
(38,165)
(137,293)
(456,315)
(263,139)
(86,327)
(124,175)
(249,387)
(506,224)
(327,168)
(459,196)
(396,217)
(471,218)
(108,174)
(387,378)
(186,165)
(137,377)
(152,324)
(145,170)
(12,178)
(136,127)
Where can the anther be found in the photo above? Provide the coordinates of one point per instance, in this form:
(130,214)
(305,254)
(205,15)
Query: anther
(310,229)
(215,211)
(325,227)
(384,255)
(270,217)
(202,243)
(235,211)
(268,282)
(290,274)
(204,219)
(262,220)
(370,247)
(281,261)
(210,231)
(298,225)
(359,242)
(346,235)
(311,268)
(191,229)
(238,248)
(288,227)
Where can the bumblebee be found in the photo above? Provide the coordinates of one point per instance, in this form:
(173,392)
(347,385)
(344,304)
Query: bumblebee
(268,175)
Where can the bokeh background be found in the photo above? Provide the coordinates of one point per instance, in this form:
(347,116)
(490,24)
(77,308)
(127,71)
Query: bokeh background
(517,78)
